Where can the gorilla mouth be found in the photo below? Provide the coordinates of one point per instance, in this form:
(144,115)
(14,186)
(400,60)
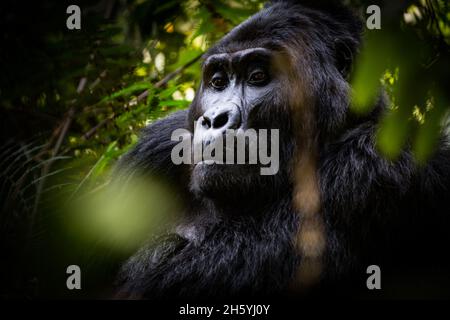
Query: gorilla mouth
(233,147)
(241,148)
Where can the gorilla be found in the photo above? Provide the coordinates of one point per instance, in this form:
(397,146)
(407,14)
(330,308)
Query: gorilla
(335,206)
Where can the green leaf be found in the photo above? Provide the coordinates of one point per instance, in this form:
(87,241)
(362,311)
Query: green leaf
(173,103)
(370,65)
(393,133)
(140,86)
(166,93)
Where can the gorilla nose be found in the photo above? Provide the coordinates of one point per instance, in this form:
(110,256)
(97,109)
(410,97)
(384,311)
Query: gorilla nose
(222,118)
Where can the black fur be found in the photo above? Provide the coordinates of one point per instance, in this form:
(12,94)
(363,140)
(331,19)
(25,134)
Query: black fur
(393,214)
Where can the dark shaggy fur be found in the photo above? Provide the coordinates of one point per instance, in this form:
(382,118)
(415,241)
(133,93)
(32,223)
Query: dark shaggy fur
(393,214)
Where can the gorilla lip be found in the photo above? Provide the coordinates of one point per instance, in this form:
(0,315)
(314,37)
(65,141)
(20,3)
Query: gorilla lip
(235,146)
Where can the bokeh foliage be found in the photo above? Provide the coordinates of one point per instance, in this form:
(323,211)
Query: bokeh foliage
(410,57)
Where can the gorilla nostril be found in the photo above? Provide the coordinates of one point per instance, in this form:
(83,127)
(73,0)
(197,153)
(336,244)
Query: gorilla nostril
(220,121)
(206,122)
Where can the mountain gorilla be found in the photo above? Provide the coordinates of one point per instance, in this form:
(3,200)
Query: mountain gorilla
(287,68)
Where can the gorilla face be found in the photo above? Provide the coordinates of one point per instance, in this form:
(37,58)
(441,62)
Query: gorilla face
(238,92)
(274,71)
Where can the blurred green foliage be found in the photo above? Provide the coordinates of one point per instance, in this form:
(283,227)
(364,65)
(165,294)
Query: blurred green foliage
(410,57)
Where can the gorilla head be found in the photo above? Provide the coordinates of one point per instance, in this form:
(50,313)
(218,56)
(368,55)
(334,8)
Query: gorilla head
(277,70)
(240,90)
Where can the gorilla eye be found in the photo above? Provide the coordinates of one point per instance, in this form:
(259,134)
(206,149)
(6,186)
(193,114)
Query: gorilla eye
(258,77)
(219,81)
